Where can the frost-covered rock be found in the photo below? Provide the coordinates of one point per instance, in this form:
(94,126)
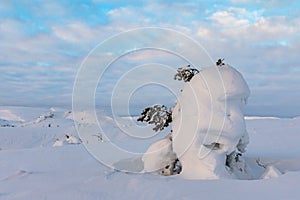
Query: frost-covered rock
(44,117)
(208,122)
(66,140)
(72,140)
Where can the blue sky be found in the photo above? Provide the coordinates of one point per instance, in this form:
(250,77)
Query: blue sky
(43,43)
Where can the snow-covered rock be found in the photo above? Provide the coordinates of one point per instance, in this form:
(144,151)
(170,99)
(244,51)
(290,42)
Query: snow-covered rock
(208,122)
(160,157)
(68,139)
(72,139)
(271,172)
(58,143)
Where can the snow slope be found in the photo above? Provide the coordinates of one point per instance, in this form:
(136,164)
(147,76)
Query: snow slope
(30,168)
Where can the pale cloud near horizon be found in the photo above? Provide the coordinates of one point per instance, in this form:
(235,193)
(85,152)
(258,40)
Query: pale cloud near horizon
(44,42)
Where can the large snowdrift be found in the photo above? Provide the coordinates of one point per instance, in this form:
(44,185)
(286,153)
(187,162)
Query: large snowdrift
(208,122)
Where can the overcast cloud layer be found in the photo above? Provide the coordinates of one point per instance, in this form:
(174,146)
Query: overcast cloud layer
(43,43)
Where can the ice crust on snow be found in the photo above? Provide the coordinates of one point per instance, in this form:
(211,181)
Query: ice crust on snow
(209,112)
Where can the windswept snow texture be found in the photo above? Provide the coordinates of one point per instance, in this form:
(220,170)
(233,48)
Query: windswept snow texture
(31,168)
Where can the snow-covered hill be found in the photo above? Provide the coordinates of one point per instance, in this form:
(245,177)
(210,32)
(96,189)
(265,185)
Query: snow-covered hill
(31,168)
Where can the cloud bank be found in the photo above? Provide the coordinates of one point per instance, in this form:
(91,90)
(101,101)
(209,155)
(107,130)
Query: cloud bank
(43,43)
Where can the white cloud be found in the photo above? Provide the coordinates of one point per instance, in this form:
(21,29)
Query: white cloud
(245,1)
(279,3)
(128,16)
(275,26)
(227,19)
(235,17)
(75,32)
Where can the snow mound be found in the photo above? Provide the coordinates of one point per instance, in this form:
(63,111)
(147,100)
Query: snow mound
(72,139)
(40,128)
(271,172)
(21,114)
(208,122)
(260,118)
(42,120)
(160,157)
(58,143)
(68,139)
(68,115)
(8,115)
(84,117)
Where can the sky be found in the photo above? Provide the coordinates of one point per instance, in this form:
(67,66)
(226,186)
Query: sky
(43,44)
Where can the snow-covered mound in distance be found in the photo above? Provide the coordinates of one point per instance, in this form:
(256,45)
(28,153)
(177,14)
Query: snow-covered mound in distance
(31,116)
(39,127)
(208,122)
(16,116)
(259,118)
(8,115)
(297,117)
(84,117)
(23,113)
(271,172)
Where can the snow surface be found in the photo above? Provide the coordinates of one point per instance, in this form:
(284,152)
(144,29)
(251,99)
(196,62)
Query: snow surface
(31,168)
